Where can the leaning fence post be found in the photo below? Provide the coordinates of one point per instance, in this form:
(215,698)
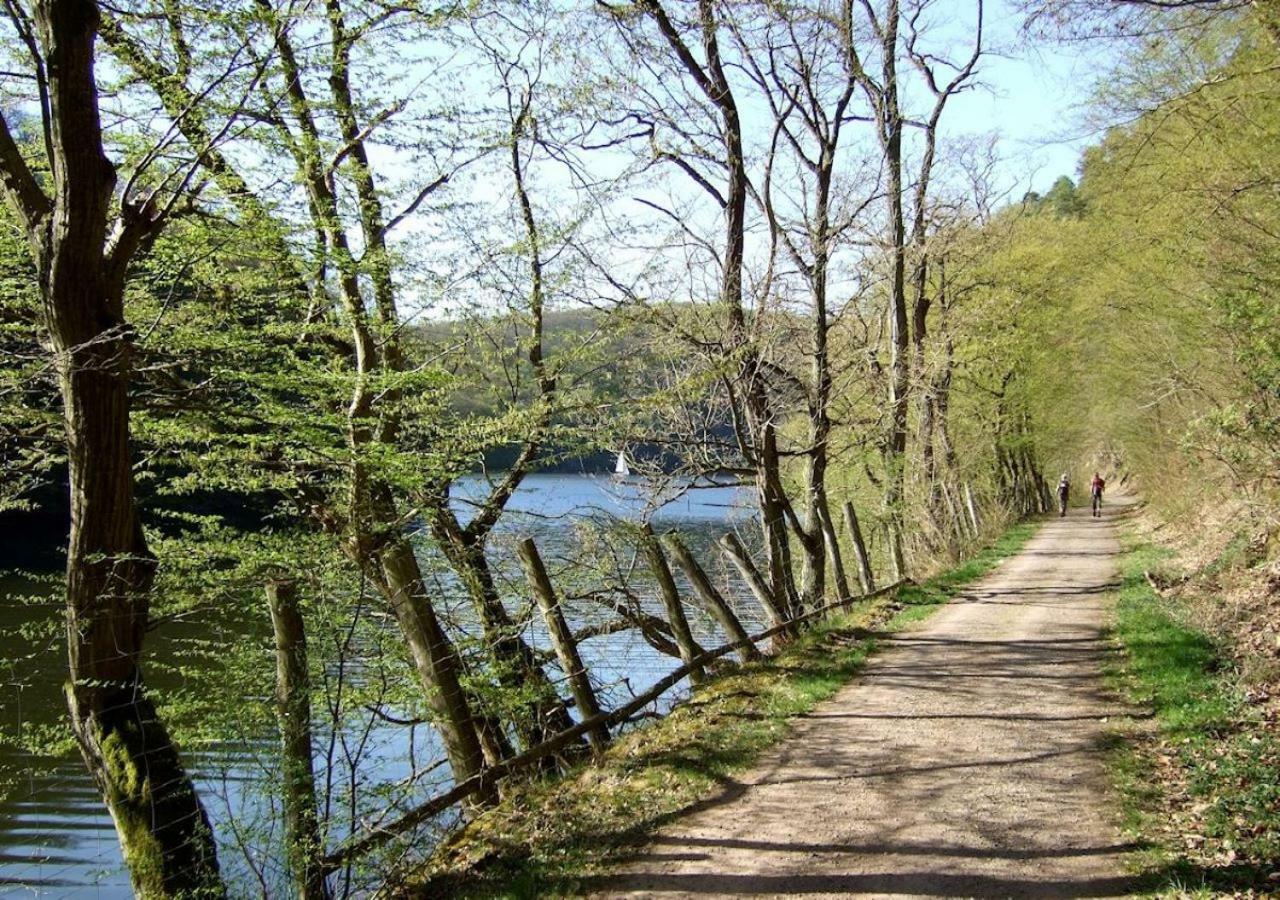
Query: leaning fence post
(711,598)
(293,713)
(742,560)
(832,541)
(689,649)
(865,576)
(955,518)
(566,649)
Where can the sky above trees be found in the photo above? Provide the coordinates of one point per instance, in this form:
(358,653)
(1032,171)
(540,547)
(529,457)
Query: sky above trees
(1032,99)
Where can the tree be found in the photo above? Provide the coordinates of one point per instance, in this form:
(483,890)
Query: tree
(796,59)
(368,518)
(711,135)
(83,238)
(894,38)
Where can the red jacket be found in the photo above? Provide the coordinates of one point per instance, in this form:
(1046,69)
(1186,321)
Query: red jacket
(1097,484)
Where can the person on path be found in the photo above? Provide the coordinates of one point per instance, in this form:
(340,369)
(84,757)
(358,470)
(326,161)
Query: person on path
(1064,490)
(1095,491)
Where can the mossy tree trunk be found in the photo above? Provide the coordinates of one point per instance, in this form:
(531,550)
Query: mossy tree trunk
(81,253)
(373,526)
(304,844)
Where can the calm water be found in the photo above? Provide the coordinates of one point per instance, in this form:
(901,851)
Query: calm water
(56,840)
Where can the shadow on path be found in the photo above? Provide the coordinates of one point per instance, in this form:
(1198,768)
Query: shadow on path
(965,761)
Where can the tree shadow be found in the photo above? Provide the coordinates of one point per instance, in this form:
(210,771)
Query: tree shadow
(921,884)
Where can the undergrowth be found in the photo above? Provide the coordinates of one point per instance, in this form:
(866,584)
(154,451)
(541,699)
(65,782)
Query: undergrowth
(1200,787)
(553,836)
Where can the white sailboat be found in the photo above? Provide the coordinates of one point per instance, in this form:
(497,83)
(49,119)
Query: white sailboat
(621,468)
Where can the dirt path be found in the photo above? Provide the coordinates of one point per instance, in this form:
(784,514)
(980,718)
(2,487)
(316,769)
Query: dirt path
(964,762)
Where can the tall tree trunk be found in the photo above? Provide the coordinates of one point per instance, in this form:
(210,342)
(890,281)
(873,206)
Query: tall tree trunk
(399,578)
(819,541)
(899,346)
(374,538)
(710,79)
(304,846)
(394,571)
(164,833)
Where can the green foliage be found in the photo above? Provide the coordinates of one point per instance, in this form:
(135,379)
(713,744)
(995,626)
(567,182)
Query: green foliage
(1140,309)
(1212,766)
(29,411)
(1063,200)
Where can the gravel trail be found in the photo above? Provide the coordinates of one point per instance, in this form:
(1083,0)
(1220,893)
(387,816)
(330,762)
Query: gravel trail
(965,761)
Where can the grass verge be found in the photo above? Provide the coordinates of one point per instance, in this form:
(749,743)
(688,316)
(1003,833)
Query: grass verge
(547,837)
(1200,786)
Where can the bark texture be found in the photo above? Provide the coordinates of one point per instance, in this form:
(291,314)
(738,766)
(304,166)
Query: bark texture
(304,845)
(82,250)
(562,641)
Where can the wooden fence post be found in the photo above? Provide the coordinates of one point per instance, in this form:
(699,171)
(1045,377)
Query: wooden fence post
(711,598)
(832,540)
(689,649)
(293,713)
(742,560)
(865,576)
(562,641)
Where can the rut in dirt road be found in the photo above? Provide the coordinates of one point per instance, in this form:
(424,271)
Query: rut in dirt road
(966,761)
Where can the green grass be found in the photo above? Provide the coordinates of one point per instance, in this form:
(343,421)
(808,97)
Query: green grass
(548,837)
(1208,764)
(943,587)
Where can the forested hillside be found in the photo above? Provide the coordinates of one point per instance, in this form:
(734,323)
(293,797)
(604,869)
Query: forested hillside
(1148,292)
(301,302)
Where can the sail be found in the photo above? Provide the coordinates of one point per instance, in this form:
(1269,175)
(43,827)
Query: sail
(621,467)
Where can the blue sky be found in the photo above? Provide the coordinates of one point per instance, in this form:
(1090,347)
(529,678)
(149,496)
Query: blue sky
(1031,97)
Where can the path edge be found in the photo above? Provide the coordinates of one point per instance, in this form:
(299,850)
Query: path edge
(549,836)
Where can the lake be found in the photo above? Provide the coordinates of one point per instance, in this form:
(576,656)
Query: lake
(56,839)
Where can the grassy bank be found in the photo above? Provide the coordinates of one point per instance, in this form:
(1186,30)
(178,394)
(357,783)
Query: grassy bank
(546,837)
(1201,779)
